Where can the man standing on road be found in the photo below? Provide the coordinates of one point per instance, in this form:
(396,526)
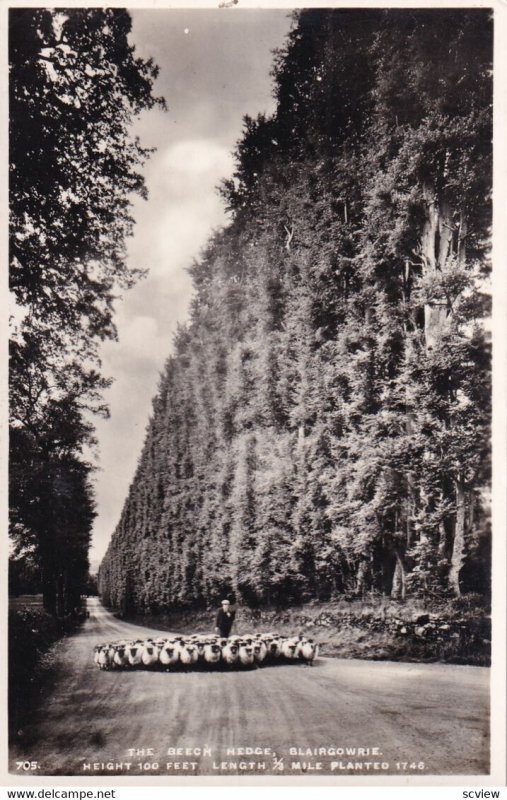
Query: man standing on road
(225,618)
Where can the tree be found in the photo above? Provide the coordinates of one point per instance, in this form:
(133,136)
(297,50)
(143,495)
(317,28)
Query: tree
(75,87)
(329,398)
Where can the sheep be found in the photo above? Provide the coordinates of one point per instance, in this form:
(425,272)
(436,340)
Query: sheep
(289,647)
(222,642)
(100,656)
(135,653)
(230,653)
(249,650)
(102,660)
(275,648)
(188,654)
(246,654)
(201,645)
(96,653)
(103,657)
(212,652)
(149,654)
(169,654)
(260,651)
(110,654)
(272,646)
(308,651)
(120,657)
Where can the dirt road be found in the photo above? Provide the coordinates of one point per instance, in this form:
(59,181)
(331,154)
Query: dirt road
(427,719)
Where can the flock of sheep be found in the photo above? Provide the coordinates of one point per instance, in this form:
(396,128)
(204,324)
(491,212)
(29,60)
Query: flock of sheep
(208,651)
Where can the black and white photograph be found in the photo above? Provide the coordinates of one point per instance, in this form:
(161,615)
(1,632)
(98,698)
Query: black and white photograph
(250,394)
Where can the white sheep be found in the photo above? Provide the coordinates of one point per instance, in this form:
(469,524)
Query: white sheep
(248,650)
(169,654)
(212,652)
(104,661)
(149,654)
(135,653)
(273,646)
(200,644)
(230,652)
(260,651)
(110,654)
(120,657)
(289,648)
(246,654)
(308,651)
(188,654)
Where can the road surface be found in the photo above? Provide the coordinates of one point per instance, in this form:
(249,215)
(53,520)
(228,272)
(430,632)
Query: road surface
(423,719)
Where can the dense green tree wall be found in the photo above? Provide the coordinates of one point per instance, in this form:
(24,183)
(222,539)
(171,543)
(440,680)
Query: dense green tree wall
(323,424)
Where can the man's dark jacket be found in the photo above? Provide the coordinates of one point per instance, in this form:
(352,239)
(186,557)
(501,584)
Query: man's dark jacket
(224,621)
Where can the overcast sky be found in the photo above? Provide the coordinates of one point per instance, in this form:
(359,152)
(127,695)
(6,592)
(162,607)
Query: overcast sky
(214,68)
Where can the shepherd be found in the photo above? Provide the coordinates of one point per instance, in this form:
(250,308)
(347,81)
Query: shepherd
(225,619)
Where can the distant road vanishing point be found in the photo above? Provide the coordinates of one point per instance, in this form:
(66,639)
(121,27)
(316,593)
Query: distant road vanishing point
(339,717)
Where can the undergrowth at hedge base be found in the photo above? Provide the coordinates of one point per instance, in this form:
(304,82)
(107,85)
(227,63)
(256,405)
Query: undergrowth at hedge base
(456,631)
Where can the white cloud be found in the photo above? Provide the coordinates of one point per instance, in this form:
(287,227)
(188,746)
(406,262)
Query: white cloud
(139,339)
(183,206)
(199,157)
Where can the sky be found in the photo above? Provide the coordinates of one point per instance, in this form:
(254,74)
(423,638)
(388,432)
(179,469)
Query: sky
(214,69)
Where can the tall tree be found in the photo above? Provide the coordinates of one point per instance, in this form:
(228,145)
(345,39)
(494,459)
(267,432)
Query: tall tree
(75,87)
(336,351)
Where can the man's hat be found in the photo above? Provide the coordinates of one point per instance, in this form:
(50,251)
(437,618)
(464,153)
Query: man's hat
(226,601)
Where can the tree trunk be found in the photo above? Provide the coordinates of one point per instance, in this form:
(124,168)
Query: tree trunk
(60,599)
(436,246)
(409,510)
(363,575)
(48,573)
(398,590)
(458,547)
(48,590)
